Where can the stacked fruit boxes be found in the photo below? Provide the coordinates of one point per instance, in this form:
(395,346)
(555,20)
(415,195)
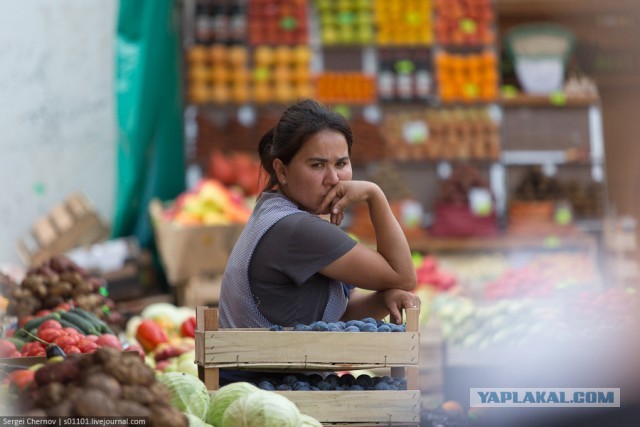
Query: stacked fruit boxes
(294,351)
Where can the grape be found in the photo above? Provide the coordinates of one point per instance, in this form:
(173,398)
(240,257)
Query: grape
(368,327)
(319,326)
(370,320)
(266,385)
(289,379)
(382,386)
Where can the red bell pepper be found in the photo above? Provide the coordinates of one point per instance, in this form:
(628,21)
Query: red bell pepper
(188,327)
(149,334)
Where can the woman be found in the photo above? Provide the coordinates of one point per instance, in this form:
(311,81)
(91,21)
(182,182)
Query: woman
(292,266)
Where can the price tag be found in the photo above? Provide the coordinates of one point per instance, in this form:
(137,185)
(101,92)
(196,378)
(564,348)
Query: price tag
(372,114)
(413,18)
(261,73)
(480,201)
(288,23)
(415,132)
(471,90)
(411,213)
(346,18)
(558,98)
(344,110)
(246,116)
(509,91)
(404,66)
(468,26)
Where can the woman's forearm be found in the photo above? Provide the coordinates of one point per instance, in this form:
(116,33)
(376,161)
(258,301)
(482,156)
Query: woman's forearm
(365,304)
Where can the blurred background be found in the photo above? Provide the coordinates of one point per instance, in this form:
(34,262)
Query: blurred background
(504,133)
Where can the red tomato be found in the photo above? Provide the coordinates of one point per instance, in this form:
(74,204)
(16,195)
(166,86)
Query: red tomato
(109,340)
(65,340)
(87,346)
(91,337)
(36,352)
(30,347)
(41,313)
(50,335)
(71,349)
(49,324)
(71,331)
(63,306)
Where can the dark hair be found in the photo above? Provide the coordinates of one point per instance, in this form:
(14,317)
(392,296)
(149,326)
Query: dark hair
(298,123)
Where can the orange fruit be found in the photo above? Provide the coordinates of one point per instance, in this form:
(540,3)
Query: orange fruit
(217,54)
(197,54)
(263,56)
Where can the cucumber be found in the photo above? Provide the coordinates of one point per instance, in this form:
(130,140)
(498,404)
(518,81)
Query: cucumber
(100,325)
(67,324)
(21,334)
(86,327)
(35,322)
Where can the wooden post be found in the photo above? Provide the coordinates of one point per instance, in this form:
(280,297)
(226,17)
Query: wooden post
(206,320)
(413,325)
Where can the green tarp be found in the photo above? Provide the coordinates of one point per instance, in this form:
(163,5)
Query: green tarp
(150,149)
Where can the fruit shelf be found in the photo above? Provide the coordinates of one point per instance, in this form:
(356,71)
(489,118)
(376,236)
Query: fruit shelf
(287,351)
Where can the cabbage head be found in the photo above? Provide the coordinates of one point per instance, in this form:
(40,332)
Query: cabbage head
(262,409)
(224,397)
(195,421)
(188,393)
(307,421)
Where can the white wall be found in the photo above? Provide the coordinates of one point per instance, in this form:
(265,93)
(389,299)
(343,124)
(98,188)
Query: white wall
(57,110)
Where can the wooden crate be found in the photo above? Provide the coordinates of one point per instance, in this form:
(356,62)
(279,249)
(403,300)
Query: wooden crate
(71,223)
(256,349)
(199,290)
(189,251)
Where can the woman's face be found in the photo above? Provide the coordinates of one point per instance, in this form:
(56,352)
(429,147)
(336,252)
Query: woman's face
(319,164)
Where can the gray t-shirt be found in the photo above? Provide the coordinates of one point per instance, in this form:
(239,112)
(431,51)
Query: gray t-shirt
(283,272)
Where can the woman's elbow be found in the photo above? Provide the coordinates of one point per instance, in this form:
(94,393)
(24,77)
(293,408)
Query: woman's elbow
(408,283)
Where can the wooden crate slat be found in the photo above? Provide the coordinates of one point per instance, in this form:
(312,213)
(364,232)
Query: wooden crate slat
(78,205)
(44,231)
(300,348)
(398,406)
(61,218)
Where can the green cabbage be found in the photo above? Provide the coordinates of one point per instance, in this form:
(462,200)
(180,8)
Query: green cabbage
(307,421)
(195,421)
(224,397)
(261,409)
(188,393)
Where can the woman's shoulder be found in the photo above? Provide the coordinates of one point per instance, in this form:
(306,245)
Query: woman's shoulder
(272,200)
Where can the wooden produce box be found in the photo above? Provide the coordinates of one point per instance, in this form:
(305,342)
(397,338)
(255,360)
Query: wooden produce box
(70,224)
(188,251)
(199,290)
(294,351)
